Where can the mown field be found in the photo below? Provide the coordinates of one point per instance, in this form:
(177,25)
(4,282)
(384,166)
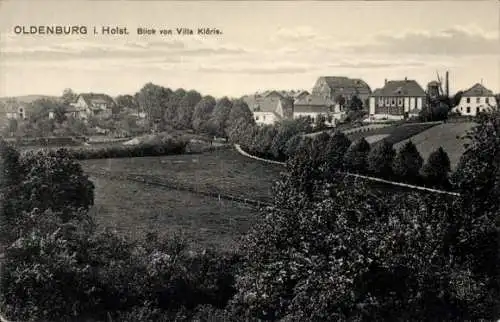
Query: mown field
(446,136)
(134,209)
(221,171)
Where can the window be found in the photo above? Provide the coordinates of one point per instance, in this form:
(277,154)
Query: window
(263,117)
(400,101)
(468,109)
(478,100)
(468,99)
(393,102)
(257,118)
(487,100)
(381,101)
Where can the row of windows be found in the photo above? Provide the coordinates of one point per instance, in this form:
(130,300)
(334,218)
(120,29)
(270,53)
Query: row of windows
(390,101)
(468,109)
(478,100)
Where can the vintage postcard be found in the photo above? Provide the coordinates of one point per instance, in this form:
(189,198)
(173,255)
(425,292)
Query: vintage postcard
(249,160)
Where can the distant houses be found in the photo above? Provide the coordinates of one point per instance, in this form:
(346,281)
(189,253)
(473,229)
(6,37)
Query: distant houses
(269,107)
(314,107)
(475,100)
(338,88)
(17,111)
(397,100)
(91,104)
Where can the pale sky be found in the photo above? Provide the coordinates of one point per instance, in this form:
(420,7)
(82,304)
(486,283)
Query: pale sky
(264,45)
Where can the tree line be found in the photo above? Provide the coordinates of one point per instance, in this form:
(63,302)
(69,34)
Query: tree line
(282,141)
(328,249)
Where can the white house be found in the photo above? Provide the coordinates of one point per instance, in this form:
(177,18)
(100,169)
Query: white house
(397,100)
(270,107)
(17,111)
(91,104)
(476,99)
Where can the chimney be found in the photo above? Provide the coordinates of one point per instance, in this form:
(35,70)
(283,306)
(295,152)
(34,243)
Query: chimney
(447,86)
(406,79)
(385,82)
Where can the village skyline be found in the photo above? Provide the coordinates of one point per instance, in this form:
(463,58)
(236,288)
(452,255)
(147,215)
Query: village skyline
(263,45)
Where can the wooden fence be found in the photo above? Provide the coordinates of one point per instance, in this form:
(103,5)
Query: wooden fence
(241,151)
(175,185)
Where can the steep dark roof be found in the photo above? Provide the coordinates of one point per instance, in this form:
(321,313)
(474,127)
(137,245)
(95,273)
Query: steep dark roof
(400,88)
(478,90)
(349,85)
(90,98)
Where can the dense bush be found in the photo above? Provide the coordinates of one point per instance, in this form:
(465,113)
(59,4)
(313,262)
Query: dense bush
(335,253)
(123,151)
(380,160)
(407,164)
(436,170)
(355,158)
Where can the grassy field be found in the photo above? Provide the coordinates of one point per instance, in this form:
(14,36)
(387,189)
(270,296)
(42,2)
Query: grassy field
(443,135)
(394,133)
(134,208)
(222,171)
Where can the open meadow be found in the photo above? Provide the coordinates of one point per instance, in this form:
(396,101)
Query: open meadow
(221,171)
(134,208)
(447,135)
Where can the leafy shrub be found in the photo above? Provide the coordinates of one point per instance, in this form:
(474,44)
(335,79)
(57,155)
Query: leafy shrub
(380,160)
(355,158)
(407,164)
(336,149)
(435,171)
(336,254)
(141,150)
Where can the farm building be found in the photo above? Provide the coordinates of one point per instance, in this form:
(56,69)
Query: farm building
(397,100)
(333,87)
(17,111)
(476,99)
(92,104)
(269,107)
(314,106)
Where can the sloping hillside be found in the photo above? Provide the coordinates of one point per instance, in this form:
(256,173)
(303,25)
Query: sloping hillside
(445,135)
(26,98)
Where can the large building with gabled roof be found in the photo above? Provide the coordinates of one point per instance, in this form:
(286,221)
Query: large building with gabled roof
(397,100)
(475,100)
(331,87)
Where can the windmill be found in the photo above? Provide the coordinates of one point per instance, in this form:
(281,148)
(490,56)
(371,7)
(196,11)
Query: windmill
(440,82)
(446,90)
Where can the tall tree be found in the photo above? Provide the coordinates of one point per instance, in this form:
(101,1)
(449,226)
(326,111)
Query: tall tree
(380,160)
(127,102)
(202,113)
(337,147)
(186,109)
(356,104)
(407,164)
(437,168)
(171,112)
(285,130)
(219,116)
(239,111)
(69,96)
(355,159)
(153,100)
